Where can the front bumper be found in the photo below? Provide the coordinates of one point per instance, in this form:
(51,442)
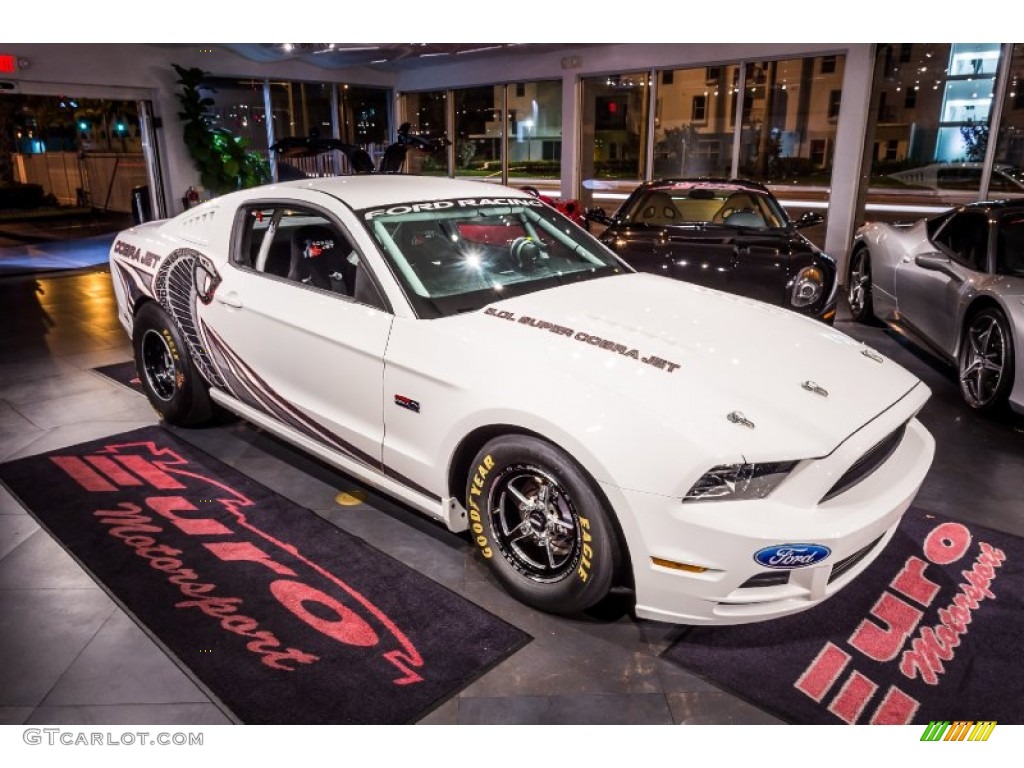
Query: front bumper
(722,536)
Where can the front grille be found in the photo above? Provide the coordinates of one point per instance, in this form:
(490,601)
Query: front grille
(848,562)
(867,463)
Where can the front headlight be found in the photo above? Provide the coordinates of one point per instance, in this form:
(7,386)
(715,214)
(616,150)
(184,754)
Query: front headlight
(808,287)
(735,482)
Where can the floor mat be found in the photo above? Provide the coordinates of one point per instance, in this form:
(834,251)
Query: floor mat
(931,631)
(281,615)
(122,373)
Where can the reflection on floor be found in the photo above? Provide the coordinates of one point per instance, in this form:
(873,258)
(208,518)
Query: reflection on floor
(68,654)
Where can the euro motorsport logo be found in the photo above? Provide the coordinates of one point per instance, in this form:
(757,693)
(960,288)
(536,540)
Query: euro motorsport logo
(959,730)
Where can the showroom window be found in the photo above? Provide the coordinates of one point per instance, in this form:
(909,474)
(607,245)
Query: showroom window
(534,138)
(941,132)
(1007,174)
(794,103)
(503,133)
(613,130)
(478,131)
(692,136)
(426,114)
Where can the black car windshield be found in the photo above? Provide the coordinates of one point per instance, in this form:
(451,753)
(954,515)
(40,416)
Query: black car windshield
(700,203)
(453,256)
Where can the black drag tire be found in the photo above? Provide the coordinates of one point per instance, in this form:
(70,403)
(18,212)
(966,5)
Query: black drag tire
(172,383)
(540,524)
(987,360)
(858,287)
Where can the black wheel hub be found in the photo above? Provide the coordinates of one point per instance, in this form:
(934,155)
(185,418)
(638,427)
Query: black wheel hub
(536,526)
(158,365)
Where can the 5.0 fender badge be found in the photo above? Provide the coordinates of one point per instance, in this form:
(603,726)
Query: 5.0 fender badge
(408,403)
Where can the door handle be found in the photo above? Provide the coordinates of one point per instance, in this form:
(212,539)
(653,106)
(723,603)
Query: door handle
(229,299)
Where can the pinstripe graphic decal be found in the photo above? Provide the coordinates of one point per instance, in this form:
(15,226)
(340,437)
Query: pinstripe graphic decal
(246,385)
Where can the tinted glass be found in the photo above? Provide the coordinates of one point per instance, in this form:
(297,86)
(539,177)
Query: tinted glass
(965,238)
(1010,246)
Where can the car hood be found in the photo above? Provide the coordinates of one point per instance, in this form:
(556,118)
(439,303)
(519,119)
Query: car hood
(703,363)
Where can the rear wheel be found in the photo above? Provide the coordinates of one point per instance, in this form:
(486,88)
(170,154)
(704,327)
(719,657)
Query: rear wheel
(986,360)
(858,287)
(540,525)
(170,380)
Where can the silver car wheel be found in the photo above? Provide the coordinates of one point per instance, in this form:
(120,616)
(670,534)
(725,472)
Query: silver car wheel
(983,360)
(860,283)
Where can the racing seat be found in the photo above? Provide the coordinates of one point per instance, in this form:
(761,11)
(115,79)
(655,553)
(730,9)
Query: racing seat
(318,258)
(658,208)
(745,217)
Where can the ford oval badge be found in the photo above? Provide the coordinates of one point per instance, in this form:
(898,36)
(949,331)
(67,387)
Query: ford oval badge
(792,555)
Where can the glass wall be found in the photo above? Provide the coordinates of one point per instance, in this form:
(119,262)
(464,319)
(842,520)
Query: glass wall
(1007,174)
(613,131)
(933,104)
(238,106)
(426,113)
(479,131)
(790,114)
(534,137)
(518,125)
(300,109)
(693,125)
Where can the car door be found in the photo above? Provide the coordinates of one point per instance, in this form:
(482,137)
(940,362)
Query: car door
(930,284)
(295,330)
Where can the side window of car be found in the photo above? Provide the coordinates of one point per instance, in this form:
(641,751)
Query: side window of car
(304,246)
(965,239)
(1010,246)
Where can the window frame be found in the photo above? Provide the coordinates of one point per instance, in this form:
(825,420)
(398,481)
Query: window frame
(240,240)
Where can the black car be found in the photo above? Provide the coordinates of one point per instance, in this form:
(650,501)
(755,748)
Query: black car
(727,234)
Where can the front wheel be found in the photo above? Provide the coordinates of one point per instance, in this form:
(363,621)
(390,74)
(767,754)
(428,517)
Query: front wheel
(986,360)
(172,383)
(541,526)
(858,287)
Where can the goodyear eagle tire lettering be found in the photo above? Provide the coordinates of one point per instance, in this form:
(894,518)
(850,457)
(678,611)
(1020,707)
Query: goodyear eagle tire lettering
(541,525)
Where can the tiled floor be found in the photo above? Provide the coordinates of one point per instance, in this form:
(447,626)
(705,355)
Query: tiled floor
(68,654)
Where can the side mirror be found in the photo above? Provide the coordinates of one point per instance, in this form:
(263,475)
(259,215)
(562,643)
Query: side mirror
(809,219)
(936,262)
(598,215)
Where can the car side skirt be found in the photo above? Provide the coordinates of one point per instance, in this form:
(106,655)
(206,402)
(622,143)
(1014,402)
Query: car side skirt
(443,510)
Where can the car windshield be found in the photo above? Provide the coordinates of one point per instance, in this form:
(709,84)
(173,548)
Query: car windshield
(700,204)
(453,256)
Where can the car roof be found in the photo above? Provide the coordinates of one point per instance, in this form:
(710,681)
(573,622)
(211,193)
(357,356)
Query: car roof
(372,190)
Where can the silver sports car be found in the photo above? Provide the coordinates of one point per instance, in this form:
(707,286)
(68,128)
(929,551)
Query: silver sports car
(954,283)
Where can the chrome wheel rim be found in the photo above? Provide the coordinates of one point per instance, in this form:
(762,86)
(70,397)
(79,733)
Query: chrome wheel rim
(982,361)
(536,527)
(158,365)
(857,292)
